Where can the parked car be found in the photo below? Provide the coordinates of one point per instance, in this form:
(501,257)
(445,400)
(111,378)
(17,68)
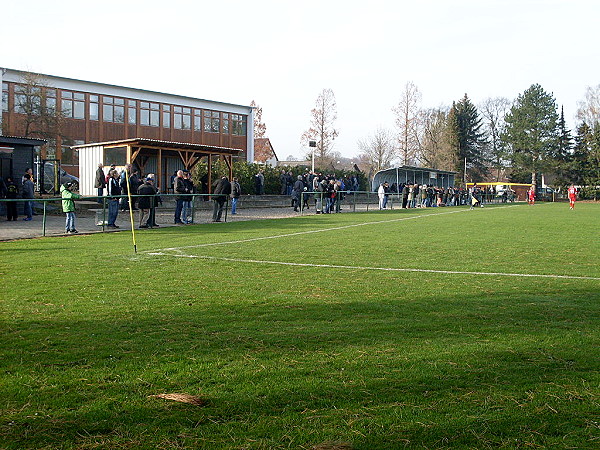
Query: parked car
(47,181)
(544,194)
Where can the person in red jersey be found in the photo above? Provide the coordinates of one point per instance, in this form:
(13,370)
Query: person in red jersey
(572,191)
(531,195)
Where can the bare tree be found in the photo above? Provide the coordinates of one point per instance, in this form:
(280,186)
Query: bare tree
(377,150)
(260,129)
(588,110)
(407,117)
(40,116)
(493,111)
(435,146)
(322,128)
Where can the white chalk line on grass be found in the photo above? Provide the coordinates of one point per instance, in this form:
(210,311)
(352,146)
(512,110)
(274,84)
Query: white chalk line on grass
(384,269)
(300,233)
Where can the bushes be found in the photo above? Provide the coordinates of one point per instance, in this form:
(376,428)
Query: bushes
(246,172)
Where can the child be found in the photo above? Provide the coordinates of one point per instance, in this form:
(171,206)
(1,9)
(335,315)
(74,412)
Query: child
(68,206)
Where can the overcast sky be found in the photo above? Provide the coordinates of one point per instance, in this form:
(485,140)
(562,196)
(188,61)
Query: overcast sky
(282,54)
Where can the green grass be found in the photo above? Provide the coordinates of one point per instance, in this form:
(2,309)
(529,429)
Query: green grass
(295,356)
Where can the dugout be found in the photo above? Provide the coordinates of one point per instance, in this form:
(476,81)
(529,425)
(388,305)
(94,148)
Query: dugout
(161,158)
(411,174)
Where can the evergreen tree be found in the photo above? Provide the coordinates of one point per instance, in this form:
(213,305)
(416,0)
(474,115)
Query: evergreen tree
(563,155)
(469,138)
(531,131)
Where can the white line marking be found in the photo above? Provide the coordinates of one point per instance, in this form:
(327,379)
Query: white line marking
(385,269)
(299,233)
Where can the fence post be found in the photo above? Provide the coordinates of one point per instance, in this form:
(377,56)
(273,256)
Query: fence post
(44,220)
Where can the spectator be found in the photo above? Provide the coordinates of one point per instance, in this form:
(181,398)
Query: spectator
(382,194)
(222,190)
(236,192)
(146,203)
(68,206)
(154,202)
(113,189)
(188,198)
(297,190)
(259,183)
(100,182)
(12,192)
(317,188)
(123,179)
(27,195)
(179,190)
(283,182)
(134,183)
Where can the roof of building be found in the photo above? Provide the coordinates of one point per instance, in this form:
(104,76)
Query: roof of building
(170,145)
(422,169)
(128,88)
(21,140)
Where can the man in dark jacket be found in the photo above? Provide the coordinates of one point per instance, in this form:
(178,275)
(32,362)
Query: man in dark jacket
(100,182)
(222,190)
(146,203)
(179,189)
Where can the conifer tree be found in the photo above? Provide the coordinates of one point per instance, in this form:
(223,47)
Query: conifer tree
(531,132)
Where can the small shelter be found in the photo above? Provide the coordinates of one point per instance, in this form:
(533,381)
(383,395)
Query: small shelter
(411,174)
(17,154)
(161,158)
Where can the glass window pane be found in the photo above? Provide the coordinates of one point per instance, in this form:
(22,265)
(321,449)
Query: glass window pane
(4,101)
(167,120)
(51,93)
(144,105)
(51,104)
(119,101)
(207,125)
(225,126)
(215,126)
(167,108)
(79,96)
(107,100)
(107,113)
(177,121)
(93,98)
(66,94)
(154,106)
(186,122)
(145,117)
(93,111)
(67,108)
(119,114)
(186,110)
(154,118)
(132,115)
(197,123)
(79,110)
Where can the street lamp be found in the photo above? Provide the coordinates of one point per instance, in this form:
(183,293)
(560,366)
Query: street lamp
(312,145)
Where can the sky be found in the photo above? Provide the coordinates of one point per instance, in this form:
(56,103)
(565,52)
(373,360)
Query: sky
(282,54)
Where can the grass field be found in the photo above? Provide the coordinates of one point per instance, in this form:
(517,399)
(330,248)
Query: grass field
(408,328)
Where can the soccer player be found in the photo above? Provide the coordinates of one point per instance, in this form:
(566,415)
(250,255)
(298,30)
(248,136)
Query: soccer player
(531,195)
(572,196)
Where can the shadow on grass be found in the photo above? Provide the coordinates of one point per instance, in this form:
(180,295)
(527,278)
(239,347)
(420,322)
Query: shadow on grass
(467,371)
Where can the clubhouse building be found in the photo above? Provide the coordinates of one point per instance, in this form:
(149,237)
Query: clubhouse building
(92,112)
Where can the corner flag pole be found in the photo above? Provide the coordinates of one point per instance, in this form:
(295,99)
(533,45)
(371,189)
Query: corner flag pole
(130,210)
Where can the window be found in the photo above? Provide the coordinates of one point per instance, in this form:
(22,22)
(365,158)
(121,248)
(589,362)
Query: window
(4,96)
(27,99)
(211,121)
(115,155)
(182,118)
(73,104)
(113,109)
(197,120)
(93,107)
(149,114)
(238,124)
(132,112)
(51,100)
(166,116)
(225,123)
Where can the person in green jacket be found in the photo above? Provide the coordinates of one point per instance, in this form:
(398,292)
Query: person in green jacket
(68,206)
